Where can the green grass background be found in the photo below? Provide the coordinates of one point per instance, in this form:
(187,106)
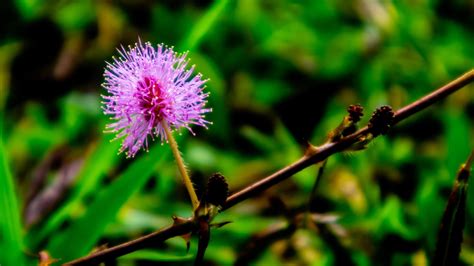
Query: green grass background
(281,73)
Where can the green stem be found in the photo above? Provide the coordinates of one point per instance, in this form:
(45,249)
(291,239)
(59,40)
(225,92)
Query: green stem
(182,168)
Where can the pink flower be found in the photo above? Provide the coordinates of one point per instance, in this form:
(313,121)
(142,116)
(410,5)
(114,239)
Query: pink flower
(146,87)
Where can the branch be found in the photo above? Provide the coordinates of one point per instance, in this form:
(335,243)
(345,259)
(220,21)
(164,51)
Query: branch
(177,229)
(320,153)
(435,96)
(312,156)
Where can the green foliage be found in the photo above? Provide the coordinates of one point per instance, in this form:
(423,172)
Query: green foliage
(29,9)
(98,163)
(282,73)
(203,25)
(11,242)
(88,229)
(152,255)
(75,15)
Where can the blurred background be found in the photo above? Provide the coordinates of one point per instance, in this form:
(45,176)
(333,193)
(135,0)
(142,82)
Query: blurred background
(282,73)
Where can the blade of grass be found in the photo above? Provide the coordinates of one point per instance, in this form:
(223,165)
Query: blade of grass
(158,256)
(85,231)
(10,224)
(196,34)
(450,232)
(102,159)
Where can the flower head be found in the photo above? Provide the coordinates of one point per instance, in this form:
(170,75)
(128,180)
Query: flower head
(149,88)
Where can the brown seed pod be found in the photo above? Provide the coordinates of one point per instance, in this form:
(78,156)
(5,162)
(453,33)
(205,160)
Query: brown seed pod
(381,120)
(217,190)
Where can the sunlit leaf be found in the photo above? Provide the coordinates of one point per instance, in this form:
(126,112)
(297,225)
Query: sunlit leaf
(203,25)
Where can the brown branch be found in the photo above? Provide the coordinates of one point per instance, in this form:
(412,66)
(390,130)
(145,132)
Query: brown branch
(312,156)
(435,96)
(321,153)
(176,229)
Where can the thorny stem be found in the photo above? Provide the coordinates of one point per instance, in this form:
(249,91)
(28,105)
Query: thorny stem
(324,151)
(182,168)
(311,157)
(136,244)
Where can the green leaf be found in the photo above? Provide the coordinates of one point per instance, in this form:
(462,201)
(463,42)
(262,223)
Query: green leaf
(75,15)
(86,230)
(102,159)
(29,9)
(458,138)
(217,101)
(391,220)
(155,255)
(269,92)
(263,142)
(194,37)
(10,225)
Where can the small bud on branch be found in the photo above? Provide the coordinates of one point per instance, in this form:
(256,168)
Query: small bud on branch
(381,120)
(217,190)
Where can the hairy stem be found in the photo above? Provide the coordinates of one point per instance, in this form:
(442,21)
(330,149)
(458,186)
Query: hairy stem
(182,168)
